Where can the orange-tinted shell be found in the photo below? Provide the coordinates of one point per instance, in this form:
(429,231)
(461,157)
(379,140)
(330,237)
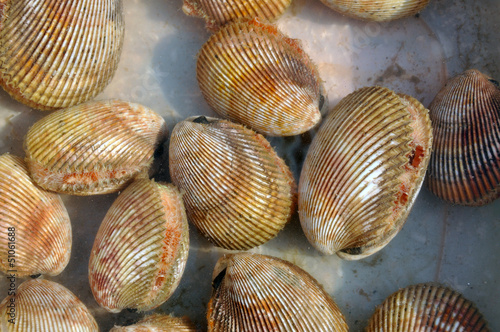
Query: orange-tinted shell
(159,323)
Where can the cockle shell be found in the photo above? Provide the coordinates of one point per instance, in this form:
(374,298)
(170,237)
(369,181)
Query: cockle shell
(141,248)
(36,230)
(45,306)
(56,54)
(465,164)
(363,171)
(251,73)
(159,323)
(254,292)
(93,148)
(237,191)
(216,13)
(426,307)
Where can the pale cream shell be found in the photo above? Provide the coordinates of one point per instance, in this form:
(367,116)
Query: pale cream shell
(159,323)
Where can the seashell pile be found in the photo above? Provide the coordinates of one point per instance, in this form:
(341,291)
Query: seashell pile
(159,323)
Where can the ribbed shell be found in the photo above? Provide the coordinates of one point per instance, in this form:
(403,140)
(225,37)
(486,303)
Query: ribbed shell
(426,308)
(45,306)
(159,323)
(219,12)
(261,293)
(251,73)
(382,10)
(93,148)
(36,230)
(56,54)
(465,164)
(237,191)
(363,171)
(141,248)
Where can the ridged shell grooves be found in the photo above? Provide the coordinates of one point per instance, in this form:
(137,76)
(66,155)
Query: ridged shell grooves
(141,248)
(427,307)
(262,293)
(56,54)
(237,191)
(251,73)
(41,236)
(159,323)
(46,306)
(93,148)
(465,164)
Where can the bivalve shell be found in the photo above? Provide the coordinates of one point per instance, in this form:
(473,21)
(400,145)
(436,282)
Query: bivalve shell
(363,171)
(237,191)
(56,54)
(141,248)
(261,293)
(36,236)
(251,73)
(93,148)
(159,323)
(465,164)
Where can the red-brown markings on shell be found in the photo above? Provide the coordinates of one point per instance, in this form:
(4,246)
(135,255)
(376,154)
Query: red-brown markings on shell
(159,323)
(237,190)
(251,73)
(93,148)
(45,306)
(426,307)
(36,230)
(141,248)
(261,293)
(363,172)
(465,163)
(56,54)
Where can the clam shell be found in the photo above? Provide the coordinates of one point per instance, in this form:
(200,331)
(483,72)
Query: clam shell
(251,73)
(56,54)
(159,323)
(93,148)
(465,164)
(45,306)
(237,191)
(141,248)
(261,293)
(216,13)
(426,307)
(36,230)
(363,172)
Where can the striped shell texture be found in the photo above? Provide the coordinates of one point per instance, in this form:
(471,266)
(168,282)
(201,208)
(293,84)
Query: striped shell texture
(159,323)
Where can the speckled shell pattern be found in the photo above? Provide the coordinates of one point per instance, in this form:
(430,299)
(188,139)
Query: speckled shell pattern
(216,13)
(36,230)
(94,148)
(380,11)
(45,306)
(363,171)
(56,54)
(238,192)
(427,308)
(141,248)
(465,164)
(250,73)
(159,323)
(254,292)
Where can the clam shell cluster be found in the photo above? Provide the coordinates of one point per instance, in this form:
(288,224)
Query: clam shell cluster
(237,190)
(93,148)
(36,230)
(363,171)
(465,164)
(251,73)
(159,323)
(141,248)
(56,54)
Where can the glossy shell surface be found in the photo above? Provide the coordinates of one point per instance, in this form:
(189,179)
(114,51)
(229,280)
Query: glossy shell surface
(238,192)
(363,172)
(36,230)
(141,248)
(254,292)
(465,164)
(251,73)
(93,148)
(45,306)
(159,323)
(427,307)
(56,54)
